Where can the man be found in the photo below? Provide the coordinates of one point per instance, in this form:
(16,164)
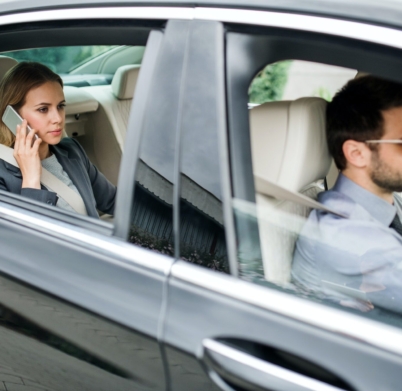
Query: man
(359,249)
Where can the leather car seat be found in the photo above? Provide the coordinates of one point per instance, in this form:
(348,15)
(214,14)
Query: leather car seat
(289,149)
(107,130)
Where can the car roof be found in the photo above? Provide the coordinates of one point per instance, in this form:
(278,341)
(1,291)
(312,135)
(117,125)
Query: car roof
(384,12)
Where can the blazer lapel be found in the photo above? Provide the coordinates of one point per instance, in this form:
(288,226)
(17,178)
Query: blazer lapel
(77,173)
(13,170)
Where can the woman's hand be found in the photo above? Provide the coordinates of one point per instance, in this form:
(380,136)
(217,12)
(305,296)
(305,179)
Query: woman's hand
(26,153)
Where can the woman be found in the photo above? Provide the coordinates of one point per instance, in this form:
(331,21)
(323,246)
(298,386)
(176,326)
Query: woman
(36,93)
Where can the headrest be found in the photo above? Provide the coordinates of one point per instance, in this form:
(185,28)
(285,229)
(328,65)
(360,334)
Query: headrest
(6,63)
(289,142)
(361,74)
(124,81)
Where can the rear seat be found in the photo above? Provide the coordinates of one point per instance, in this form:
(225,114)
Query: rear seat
(110,120)
(289,149)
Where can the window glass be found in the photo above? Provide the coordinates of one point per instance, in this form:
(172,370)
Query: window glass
(88,120)
(152,213)
(152,208)
(295,79)
(61,59)
(202,234)
(333,245)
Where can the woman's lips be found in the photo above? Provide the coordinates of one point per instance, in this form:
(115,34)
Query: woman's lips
(55,132)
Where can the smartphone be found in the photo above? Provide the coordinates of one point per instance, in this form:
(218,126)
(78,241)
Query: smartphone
(11,119)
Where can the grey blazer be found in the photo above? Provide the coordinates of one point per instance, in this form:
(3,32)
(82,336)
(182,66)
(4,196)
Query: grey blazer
(96,191)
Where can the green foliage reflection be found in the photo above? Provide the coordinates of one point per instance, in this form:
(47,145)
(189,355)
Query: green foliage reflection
(270,83)
(59,59)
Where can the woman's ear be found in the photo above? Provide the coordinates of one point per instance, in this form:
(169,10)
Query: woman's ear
(357,153)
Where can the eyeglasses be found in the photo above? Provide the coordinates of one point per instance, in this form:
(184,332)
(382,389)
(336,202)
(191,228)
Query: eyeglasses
(383,141)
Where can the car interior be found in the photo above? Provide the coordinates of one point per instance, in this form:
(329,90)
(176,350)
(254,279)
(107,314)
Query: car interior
(288,144)
(98,114)
(289,149)
(287,138)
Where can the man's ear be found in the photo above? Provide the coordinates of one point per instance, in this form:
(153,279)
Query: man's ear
(356,153)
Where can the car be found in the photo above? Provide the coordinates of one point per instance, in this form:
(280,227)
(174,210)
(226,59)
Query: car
(187,286)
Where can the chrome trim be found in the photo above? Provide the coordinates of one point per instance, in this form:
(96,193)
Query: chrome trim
(333,320)
(282,378)
(159,13)
(104,245)
(342,28)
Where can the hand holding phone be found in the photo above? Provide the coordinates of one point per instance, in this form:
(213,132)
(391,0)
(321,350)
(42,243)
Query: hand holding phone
(26,148)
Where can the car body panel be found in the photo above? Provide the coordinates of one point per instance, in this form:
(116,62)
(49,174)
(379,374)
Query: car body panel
(260,333)
(84,303)
(64,294)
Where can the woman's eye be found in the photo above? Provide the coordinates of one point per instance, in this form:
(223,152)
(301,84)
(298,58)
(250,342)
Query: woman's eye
(62,106)
(42,109)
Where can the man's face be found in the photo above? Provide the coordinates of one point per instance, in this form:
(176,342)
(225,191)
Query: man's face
(385,169)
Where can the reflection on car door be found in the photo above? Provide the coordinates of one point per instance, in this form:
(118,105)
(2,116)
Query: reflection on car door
(79,315)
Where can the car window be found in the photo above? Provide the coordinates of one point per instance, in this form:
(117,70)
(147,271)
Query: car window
(61,59)
(82,66)
(89,120)
(291,235)
(293,79)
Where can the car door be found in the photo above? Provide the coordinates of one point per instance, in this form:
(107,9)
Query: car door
(225,327)
(80,305)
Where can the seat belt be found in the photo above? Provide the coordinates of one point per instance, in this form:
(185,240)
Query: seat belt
(268,188)
(50,181)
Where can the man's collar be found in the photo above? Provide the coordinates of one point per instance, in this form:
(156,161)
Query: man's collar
(380,209)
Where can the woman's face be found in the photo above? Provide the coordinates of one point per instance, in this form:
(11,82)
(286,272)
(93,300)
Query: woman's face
(44,111)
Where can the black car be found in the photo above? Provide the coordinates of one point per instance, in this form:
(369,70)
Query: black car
(187,286)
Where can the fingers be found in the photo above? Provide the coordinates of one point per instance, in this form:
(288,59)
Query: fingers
(20,135)
(26,144)
(17,137)
(30,137)
(36,143)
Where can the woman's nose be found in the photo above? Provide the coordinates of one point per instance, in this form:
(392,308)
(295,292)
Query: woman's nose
(56,116)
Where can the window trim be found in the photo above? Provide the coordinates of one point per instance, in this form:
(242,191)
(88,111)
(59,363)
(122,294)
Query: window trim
(159,13)
(324,25)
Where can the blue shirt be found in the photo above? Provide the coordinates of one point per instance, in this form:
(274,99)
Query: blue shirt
(354,252)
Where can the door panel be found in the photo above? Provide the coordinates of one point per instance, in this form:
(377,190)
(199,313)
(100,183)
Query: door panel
(197,315)
(78,312)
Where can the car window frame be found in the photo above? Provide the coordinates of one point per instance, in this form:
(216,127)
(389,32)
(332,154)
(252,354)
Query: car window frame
(241,42)
(48,28)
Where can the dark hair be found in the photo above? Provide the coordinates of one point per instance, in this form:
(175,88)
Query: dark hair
(355,113)
(15,85)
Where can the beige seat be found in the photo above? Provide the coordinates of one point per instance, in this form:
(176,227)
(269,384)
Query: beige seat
(106,132)
(289,148)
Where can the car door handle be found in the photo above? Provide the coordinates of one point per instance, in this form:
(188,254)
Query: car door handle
(230,363)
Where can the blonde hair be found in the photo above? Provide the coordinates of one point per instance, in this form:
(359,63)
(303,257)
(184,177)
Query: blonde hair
(17,82)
